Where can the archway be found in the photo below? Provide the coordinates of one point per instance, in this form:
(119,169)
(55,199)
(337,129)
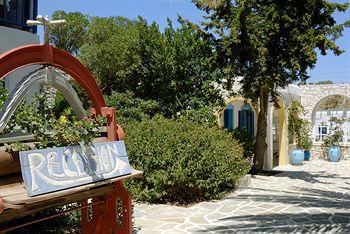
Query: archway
(332,106)
(278,136)
(239,113)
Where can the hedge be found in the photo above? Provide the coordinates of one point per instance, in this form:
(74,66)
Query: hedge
(183,162)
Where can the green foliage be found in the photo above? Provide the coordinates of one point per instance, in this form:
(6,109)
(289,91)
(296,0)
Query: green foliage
(182,161)
(299,127)
(131,108)
(52,129)
(295,122)
(303,138)
(170,67)
(246,141)
(69,223)
(321,82)
(271,44)
(69,36)
(202,115)
(336,132)
(333,102)
(3,93)
(16,147)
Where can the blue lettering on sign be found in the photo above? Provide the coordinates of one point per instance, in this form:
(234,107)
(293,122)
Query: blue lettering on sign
(53,169)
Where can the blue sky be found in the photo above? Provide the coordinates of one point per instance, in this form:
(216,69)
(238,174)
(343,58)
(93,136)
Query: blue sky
(330,67)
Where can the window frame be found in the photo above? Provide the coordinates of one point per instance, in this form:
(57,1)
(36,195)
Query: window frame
(17,20)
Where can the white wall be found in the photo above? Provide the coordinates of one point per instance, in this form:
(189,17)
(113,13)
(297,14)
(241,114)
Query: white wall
(9,39)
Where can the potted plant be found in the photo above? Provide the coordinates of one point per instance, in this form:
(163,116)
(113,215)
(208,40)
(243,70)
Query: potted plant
(332,141)
(298,127)
(305,141)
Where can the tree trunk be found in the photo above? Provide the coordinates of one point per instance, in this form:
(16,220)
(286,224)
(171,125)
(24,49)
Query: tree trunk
(260,145)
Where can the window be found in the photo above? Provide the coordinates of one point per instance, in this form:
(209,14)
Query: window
(229,117)
(318,115)
(1,9)
(15,13)
(324,115)
(246,119)
(321,133)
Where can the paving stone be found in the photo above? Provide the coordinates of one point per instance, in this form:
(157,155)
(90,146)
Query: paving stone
(340,219)
(313,198)
(198,220)
(168,226)
(228,209)
(150,232)
(216,216)
(173,219)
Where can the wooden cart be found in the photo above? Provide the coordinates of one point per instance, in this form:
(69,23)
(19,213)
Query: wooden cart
(103,196)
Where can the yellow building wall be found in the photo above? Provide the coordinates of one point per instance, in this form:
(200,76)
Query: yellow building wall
(238,102)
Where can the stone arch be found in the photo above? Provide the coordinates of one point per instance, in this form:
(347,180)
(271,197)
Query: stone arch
(314,94)
(320,125)
(320,101)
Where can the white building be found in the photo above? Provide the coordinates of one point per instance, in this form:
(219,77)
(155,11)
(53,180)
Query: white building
(14,32)
(242,113)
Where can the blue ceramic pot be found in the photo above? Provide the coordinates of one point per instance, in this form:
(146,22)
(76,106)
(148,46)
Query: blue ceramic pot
(297,157)
(307,155)
(334,154)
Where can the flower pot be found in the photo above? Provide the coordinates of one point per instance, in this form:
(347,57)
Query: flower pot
(307,155)
(334,154)
(297,157)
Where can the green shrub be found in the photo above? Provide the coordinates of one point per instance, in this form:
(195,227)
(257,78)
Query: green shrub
(68,223)
(52,127)
(202,115)
(130,107)
(183,162)
(246,140)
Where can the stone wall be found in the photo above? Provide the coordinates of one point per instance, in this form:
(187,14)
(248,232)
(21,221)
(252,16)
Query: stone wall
(319,152)
(311,95)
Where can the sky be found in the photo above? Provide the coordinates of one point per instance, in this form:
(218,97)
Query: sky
(329,67)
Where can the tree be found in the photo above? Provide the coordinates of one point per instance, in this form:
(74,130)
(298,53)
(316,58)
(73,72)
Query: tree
(324,82)
(69,36)
(170,67)
(271,43)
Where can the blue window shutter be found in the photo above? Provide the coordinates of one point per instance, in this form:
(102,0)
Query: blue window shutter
(246,120)
(230,119)
(250,122)
(225,118)
(240,119)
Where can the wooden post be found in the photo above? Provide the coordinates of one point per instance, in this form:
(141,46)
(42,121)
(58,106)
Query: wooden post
(1,205)
(105,219)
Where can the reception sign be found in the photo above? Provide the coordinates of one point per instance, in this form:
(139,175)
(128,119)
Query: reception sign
(54,169)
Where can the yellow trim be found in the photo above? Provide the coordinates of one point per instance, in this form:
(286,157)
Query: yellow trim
(283,135)
(282,120)
(231,100)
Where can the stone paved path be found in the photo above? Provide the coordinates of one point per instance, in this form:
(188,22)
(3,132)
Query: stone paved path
(312,198)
